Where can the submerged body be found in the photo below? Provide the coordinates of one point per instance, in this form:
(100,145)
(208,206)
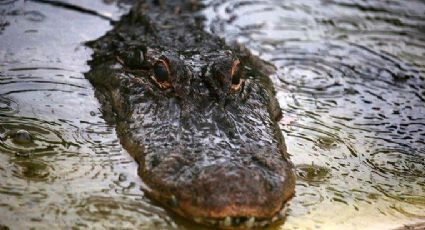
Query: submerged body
(199,117)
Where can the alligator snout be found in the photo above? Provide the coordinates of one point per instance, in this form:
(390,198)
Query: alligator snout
(218,164)
(229,190)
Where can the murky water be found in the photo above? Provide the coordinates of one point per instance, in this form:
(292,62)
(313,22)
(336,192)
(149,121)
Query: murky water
(75,172)
(350,80)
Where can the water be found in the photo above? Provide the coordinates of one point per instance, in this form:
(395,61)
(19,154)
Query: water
(75,173)
(350,81)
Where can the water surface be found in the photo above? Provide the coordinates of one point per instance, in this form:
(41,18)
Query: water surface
(350,81)
(75,173)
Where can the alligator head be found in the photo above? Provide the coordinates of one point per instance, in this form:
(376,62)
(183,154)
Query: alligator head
(199,117)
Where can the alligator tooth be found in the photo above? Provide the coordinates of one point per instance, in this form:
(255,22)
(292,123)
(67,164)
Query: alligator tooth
(236,221)
(142,56)
(173,200)
(274,219)
(227,221)
(282,213)
(198,219)
(263,223)
(250,222)
(212,222)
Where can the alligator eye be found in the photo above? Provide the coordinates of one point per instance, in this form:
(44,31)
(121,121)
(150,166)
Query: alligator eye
(162,75)
(235,72)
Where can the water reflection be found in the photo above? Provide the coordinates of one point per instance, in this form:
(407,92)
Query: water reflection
(350,79)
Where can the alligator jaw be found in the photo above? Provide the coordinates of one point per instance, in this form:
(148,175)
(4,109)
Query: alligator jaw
(238,222)
(242,222)
(226,200)
(221,219)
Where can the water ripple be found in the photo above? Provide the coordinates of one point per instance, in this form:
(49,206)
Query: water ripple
(351,80)
(8,106)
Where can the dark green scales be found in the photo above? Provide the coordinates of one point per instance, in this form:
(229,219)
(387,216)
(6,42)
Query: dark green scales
(199,117)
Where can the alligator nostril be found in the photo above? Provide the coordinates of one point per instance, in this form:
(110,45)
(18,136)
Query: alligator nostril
(132,59)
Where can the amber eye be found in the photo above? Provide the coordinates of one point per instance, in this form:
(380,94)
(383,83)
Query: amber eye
(162,75)
(161,70)
(235,72)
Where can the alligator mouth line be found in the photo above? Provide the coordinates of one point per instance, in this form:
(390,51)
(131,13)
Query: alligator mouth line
(225,217)
(241,222)
(230,222)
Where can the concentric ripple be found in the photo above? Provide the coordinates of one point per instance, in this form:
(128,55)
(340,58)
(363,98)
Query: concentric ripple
(328,70)
(31,170)
(312,173)
(121,210)
(45,140)
(399,163)
(8,106)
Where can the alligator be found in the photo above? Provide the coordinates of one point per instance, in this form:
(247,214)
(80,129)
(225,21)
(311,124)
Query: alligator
(199,116)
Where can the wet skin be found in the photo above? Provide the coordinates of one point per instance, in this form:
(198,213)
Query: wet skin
(199,117)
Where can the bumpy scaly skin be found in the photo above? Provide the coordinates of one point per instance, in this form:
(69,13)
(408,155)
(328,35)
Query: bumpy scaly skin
(210,154)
